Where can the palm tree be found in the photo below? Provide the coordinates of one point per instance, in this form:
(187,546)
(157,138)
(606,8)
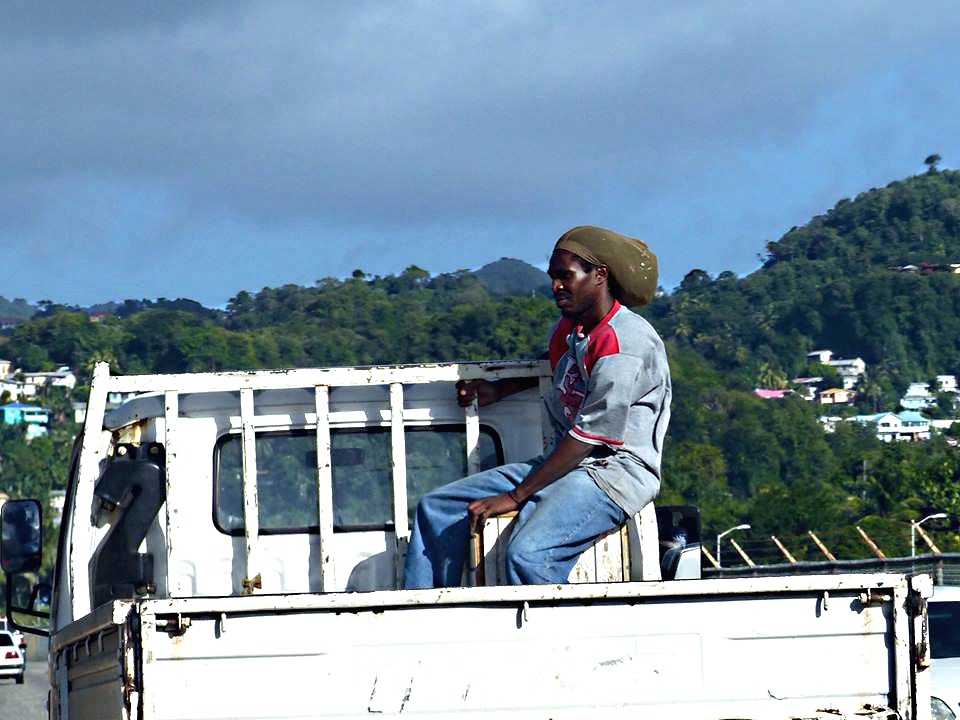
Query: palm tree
(770,377)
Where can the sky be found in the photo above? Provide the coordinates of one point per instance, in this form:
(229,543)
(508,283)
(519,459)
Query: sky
(197,148)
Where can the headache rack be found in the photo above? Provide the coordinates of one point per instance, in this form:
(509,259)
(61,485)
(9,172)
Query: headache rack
(248,383)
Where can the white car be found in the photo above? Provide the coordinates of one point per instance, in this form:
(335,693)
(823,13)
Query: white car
(17,636)
(943,613)
(11,657)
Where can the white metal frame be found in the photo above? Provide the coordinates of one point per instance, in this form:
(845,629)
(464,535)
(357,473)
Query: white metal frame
(172,387)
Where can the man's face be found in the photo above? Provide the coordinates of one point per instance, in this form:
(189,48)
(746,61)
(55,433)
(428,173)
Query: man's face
(575,290)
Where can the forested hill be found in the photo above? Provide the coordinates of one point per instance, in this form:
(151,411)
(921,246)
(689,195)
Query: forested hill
(362,320)
(508,276)
(838,282)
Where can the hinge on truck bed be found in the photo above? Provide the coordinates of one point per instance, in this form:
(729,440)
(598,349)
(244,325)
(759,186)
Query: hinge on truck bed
(869,598)
(249,584)
(174,626)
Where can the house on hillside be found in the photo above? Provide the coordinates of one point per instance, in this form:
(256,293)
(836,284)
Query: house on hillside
(768,394)
(58,501)
(836,396)
(6,368)
(820,356)
(918,397)
(61,377)
(914,426)
(17,388)
(946,383)
(35,419)
(890,426)
(849,369)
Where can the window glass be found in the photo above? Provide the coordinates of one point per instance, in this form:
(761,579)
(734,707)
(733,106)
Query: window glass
(362,480)
(5,640)
(439,456)
(286,482)
(944,619)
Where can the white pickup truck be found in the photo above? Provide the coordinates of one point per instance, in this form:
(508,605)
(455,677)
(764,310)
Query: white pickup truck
(232,547)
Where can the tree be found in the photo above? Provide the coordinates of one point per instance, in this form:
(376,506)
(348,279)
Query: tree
(931,162)
(831,378)
(770,377)
(872,393)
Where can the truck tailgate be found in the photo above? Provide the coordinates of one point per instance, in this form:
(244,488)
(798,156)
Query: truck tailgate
(828,646)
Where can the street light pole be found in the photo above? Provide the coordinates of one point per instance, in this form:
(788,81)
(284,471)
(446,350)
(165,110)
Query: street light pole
(913,530)
(726,532)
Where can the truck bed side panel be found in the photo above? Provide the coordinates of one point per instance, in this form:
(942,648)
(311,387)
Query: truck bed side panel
(788,654)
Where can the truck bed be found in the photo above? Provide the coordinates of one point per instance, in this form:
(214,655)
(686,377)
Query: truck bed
(785,647)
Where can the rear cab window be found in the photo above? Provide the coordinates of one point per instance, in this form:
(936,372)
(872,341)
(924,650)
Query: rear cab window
(362,475)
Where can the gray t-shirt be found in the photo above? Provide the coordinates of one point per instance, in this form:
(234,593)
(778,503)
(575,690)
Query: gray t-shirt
(612,390)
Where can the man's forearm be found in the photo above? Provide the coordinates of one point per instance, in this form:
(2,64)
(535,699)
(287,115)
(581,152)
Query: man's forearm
(564,458)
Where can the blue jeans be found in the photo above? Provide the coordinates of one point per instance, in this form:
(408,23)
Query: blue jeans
(552,527)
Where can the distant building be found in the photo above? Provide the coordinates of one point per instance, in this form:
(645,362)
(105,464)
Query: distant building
(907,425)
(36,419)
(836,396)
(947,383)
(917,397)
(820,356)
(17,388)
(849,369)
(6,368)
(79,408)
(771,394)
(61,377)
(58,500)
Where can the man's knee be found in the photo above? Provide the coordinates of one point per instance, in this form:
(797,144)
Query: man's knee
(521,556)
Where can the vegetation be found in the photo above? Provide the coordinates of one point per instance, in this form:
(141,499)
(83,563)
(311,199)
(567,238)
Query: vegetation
(836,282)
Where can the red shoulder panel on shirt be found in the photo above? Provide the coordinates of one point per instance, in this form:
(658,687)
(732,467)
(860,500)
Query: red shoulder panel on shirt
(603,340)
(558,341)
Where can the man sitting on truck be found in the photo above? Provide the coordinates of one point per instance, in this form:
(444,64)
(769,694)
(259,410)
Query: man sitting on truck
(610,408)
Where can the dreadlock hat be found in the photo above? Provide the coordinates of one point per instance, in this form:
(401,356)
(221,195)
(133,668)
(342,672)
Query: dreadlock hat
(632,265)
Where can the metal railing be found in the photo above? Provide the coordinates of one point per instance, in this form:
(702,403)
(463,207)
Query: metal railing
(944,567)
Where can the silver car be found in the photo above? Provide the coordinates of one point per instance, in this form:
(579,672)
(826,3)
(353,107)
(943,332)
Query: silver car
(11,657)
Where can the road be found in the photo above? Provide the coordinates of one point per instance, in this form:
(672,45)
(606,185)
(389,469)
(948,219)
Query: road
(27,701)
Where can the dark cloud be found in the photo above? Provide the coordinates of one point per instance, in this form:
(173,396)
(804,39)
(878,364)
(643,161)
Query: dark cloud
(438,119)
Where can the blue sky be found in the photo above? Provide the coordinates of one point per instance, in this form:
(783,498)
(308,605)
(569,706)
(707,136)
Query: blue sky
(196,149)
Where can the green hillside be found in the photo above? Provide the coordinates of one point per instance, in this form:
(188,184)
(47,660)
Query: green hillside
(834,283)
(508,276)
